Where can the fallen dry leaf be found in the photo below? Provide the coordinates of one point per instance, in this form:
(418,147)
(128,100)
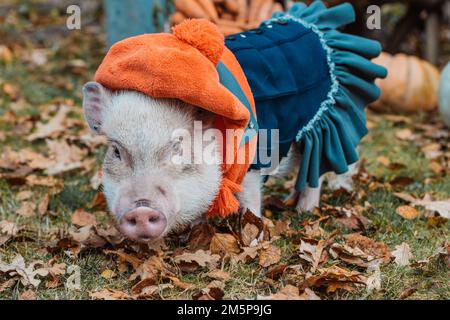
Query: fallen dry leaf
(347,217)
(373,282)
(223,244)
(110,234)
(370,247)
(313,230)
(99,201)
(43,205)
(55,269)
(407,293)
(432,151)
(82,218)
(109,294)
(150,272)
(402,254)
(181,284)
(252,227)
(96,180)
(436,167)
(354,256)
(201,257)
(7,284)
(152,291)
(24,195)
(52,283)
(312,253)
(269,256)
(10,90)
(405,196)
(218,275)
(87,237)
(5,54)
(4,239)
(276,272)
(27,209)
(7,231)
(67,245)
(407,212)
(125,258)
(442,252)
(54,126)
(34,180)
(442,207)
(209,294)
(280,227)
(334,278)
(290,292)
(385,161)
(66,157)
(151,268)
(247,255)
(108,274)
(28,295)
(249,234)
(200,236)
(8,228)
(26,274)
(404,134)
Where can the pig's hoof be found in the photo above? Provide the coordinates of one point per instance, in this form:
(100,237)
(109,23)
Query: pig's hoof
(291,199)
(307,203)
(258,240)
(341,183)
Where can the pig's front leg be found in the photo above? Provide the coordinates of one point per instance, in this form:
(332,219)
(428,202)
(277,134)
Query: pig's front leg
(343,181)
(250,197)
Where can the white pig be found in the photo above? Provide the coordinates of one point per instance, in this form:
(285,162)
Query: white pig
(148,194)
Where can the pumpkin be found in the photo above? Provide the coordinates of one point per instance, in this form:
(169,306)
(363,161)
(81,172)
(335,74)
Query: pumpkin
(412,84)
(444,95)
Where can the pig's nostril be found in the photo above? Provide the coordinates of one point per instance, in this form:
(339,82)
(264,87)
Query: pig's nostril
(153,219)
(132,221)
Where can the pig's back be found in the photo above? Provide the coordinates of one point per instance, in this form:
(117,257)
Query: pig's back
(288,74)
(312,83)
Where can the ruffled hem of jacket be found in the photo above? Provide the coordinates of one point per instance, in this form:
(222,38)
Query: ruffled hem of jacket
(329,141)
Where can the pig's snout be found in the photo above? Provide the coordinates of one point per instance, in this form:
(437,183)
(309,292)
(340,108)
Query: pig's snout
(143,224)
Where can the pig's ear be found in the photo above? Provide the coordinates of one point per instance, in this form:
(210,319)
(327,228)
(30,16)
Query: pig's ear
(95,99)
(206,117)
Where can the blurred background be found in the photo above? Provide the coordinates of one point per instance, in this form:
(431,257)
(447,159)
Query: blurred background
(418,27)
(37,31)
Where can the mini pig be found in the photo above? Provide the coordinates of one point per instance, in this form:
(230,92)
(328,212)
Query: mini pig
(295,76)
(148,194)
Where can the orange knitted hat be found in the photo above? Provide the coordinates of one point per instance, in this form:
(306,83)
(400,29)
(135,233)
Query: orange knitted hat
(182,65)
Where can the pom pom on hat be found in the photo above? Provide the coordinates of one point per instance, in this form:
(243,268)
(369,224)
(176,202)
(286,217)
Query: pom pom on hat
(202,35)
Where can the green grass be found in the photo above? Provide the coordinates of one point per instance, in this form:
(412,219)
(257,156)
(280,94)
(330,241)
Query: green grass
(248,281)
(433,282)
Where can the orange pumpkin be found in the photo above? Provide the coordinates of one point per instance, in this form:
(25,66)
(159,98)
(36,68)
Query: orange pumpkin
(412,84)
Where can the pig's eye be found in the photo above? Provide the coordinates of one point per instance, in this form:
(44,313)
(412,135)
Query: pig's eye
(116,153)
